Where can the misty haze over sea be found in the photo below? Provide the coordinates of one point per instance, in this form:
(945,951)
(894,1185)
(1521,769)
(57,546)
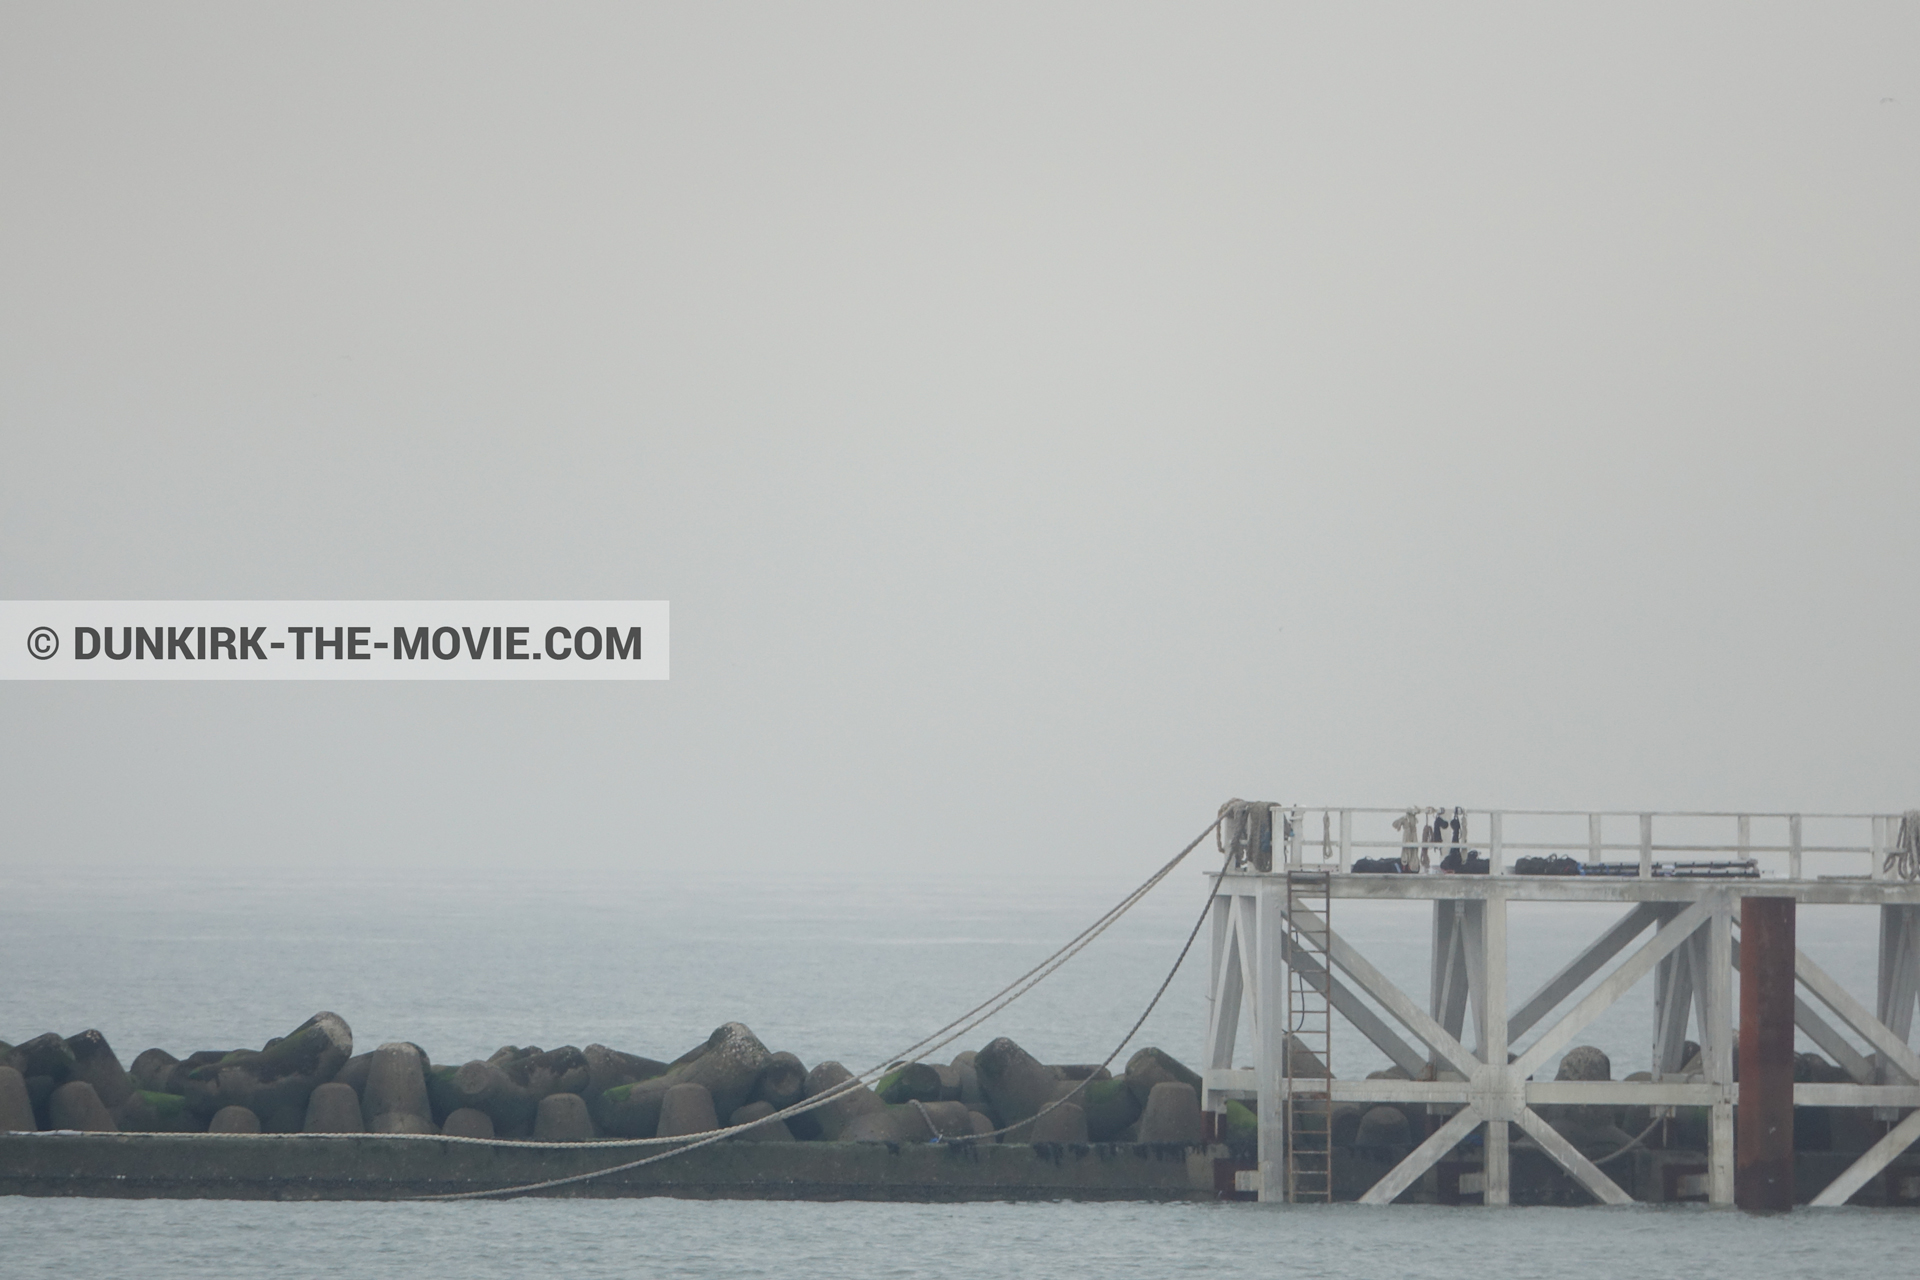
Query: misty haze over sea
(1045,420)
(852,968)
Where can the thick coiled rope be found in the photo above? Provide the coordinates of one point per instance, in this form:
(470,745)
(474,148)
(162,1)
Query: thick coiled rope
(1903,860)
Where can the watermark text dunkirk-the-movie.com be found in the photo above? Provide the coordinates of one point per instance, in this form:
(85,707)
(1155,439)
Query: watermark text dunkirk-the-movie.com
(333,640)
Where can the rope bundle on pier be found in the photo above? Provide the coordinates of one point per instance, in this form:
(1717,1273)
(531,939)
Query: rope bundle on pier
(1903,860)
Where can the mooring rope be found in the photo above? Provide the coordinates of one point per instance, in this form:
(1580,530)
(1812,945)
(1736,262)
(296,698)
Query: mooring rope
(1631,1143)
(1131,1031)
(927,1116)
(945,1035)
(1530,1145)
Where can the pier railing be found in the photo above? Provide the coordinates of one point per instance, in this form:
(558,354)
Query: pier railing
(1786,846)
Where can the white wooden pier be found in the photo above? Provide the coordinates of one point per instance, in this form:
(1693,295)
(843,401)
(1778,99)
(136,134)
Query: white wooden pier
(1676,928)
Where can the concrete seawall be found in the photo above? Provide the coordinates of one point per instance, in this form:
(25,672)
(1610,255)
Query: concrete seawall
(380,1167)
(387,1167)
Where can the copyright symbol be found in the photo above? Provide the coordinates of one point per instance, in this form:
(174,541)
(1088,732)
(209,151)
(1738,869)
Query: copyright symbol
(43,642)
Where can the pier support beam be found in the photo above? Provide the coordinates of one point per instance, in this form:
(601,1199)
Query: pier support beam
(1898,984)
(1763,1170)
(1276,1104)
(1489,921)
(1447,1000)
(1672,1004)
(1713,962)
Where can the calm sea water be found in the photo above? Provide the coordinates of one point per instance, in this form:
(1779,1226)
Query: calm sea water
(852,970)
(647,1238)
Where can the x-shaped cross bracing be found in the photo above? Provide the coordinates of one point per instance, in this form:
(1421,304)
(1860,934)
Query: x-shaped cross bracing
(1687,948)
(1498,1092)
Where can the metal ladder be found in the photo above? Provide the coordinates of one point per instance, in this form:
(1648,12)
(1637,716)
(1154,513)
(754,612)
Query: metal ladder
(1309,1028)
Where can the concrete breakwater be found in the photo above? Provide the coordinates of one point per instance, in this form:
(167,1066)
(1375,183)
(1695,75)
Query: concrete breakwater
(312,1081)
(528,1114)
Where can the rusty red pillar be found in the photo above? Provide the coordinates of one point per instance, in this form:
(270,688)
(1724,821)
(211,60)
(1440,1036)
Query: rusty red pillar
(1763,1138)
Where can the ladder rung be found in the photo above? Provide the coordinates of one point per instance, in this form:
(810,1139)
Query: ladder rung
(1308,1143)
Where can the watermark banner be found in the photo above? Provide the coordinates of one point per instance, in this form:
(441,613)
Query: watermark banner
(333,640)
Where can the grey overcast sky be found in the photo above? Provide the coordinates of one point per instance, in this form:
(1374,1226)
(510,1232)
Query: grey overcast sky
(1046,420)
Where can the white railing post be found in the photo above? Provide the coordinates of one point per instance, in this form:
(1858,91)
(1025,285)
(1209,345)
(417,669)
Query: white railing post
(1646,846)
(1496,847)
(1593,839)
(1793,846)
(1346,838)
(1876,847)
